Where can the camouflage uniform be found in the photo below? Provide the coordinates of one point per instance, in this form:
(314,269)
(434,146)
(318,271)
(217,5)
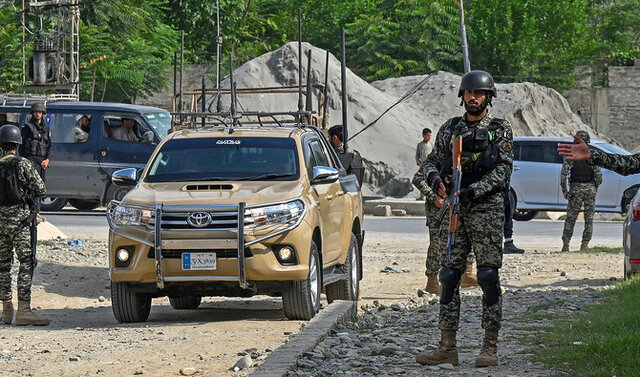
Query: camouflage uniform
(10,218)
(481,219)
(579,194)
(434,253)
(621,164)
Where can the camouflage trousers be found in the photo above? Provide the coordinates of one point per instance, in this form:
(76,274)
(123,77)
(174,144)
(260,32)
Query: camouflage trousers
(480,229)
(580,194)
(22,245)
(434,253)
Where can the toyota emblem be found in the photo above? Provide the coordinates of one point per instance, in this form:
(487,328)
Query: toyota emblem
(199,219)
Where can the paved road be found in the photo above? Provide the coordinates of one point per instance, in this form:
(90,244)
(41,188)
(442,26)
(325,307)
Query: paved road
(93,224)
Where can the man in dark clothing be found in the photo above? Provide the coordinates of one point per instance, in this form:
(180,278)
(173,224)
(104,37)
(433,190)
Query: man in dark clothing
(36,139)
(350,159)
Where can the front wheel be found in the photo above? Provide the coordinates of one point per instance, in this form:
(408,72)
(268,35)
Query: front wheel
(349,288)
(524,215)
(127,305)
(302,298)
(52,204)
(84,205)
(116,192)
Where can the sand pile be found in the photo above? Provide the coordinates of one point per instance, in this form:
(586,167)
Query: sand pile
(389,146)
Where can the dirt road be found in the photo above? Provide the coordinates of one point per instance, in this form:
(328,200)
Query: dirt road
(71,288)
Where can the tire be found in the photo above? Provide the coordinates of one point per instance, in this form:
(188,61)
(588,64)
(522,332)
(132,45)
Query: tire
(52,204)
(302,298)
(84,205)
(524,215)
(349,288)
(116,192)
(127,305)
(188,302)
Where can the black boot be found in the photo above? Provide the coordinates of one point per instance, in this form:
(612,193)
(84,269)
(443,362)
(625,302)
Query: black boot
(510,248)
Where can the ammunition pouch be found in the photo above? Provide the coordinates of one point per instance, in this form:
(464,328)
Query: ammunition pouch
(489,281)
(449,279)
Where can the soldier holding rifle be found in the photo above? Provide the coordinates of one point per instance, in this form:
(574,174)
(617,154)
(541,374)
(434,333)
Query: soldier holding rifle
(20,188)
(486,161)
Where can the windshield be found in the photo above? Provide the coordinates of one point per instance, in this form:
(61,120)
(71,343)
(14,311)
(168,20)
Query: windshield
(160,121)
(225,159)
(612,148)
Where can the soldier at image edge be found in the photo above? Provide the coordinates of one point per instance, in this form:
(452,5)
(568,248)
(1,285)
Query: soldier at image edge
(350,159)
(20,183)
(36,140)
(584,181)
(581,151)
(487,162)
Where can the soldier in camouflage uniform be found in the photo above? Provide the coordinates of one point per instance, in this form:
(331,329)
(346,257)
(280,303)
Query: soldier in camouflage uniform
(487,161)
(580,151)
(583,186)
(432,206)
(19,180)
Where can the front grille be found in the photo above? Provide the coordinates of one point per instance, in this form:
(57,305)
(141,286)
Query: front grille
(227,220)
(220,253)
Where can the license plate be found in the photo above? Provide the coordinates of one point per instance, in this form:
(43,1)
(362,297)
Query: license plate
(199,261)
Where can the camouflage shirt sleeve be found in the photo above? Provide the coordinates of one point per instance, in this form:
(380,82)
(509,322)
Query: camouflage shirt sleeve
(564,173)
(498,177)
(597,176)
(420,181)
(621,164)
(30,180)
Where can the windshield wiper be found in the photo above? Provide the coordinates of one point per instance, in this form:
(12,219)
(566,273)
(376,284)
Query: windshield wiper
(266,176)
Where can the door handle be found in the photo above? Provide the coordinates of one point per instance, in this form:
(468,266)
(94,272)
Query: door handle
(329,197)
(340,193)
(516,168)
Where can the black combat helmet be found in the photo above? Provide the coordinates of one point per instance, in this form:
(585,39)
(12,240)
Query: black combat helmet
(38,106)
(10,134)
(477,80)
(584,135)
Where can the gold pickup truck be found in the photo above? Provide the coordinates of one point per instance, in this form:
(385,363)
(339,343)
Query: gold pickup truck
(236,212)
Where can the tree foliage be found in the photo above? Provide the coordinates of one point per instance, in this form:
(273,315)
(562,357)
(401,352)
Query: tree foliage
(127,46)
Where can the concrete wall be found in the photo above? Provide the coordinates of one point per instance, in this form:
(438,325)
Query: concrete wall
(612,111)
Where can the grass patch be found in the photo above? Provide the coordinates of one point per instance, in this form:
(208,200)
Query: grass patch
(621,219)
(602,342)
(46,243)
(602,249)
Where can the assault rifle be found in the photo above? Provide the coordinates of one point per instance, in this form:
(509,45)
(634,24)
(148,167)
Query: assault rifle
(448,274)
(32,220)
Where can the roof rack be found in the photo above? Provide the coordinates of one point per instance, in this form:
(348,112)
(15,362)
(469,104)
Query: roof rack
(25,100)
(192,111)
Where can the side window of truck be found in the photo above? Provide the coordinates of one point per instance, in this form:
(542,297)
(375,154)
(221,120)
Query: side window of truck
(70,128)
(540,152)
(127,128)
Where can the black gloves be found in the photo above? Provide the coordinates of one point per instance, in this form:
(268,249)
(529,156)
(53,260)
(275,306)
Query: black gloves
(466,194)
(434,181)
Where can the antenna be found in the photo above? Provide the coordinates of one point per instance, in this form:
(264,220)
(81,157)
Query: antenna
(218,53)
(300,102)
(343,78)
(463,38)
(309,106)
(234,118)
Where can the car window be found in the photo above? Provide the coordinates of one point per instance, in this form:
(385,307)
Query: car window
(9,118)
(229,159)
(126,127)
(540,152)
(160,121)
(318,153)
(69,128)
(609,148)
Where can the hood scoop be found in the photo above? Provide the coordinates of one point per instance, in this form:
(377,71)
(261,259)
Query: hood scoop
(210,187)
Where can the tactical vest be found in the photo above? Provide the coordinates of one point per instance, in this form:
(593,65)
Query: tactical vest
(10,193)
(479,151)
(581,172)
(38,144)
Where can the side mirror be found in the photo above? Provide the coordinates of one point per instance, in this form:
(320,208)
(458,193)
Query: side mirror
(324,174)
(125,177)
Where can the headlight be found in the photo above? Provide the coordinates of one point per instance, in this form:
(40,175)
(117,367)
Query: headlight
(277,214)
(123,215)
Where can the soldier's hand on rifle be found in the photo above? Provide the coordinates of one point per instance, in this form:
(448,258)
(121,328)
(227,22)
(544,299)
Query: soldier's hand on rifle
(438,202)
(566,195)
(575,152)
(465,195)
(45,164)
(436,185)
